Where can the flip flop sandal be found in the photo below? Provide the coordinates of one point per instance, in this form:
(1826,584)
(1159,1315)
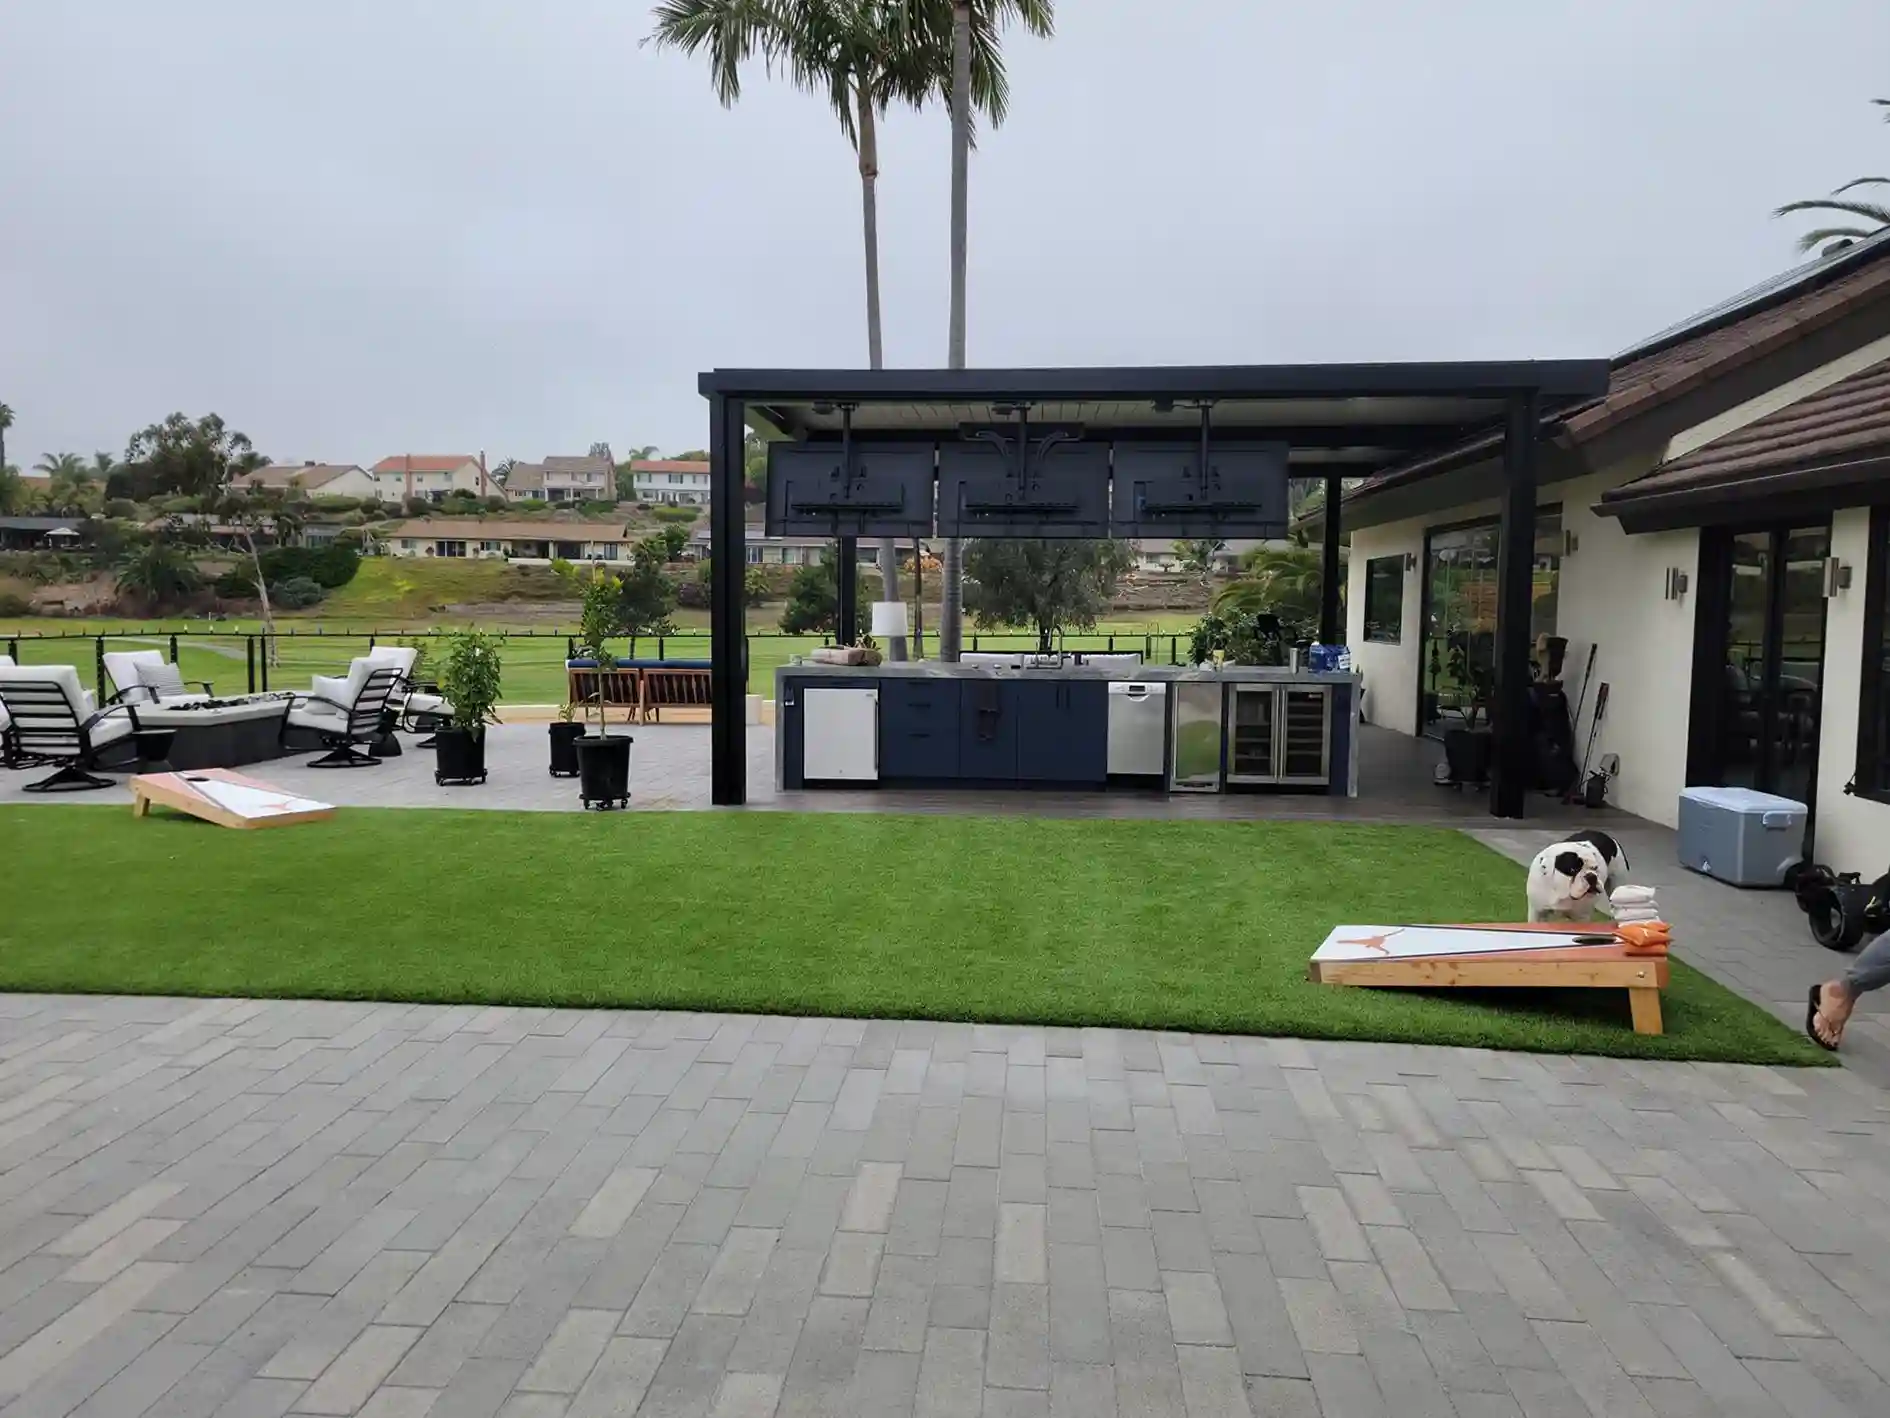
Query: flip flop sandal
(1811,1022)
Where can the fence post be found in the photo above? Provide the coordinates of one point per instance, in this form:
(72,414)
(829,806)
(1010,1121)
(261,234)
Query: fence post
(1148,648)
(570,648)
(173,648)
(265,663)
(370,644)
(13,648)
(1174,650)
(1112,644)
(98,668)
(249,647)
(974,644)
(662,644)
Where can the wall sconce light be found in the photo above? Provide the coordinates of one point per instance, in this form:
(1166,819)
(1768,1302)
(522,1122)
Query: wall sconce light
(1570,543)
(1676,584)
(1837,577)
(1410,561)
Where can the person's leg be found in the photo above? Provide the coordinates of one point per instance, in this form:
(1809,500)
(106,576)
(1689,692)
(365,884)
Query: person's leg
(1870,970)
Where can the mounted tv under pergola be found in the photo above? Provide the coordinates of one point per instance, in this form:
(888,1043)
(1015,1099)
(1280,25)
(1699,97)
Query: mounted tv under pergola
(1181,451)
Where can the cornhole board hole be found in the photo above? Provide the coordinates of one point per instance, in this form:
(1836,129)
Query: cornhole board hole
(1538,957)
(226,798)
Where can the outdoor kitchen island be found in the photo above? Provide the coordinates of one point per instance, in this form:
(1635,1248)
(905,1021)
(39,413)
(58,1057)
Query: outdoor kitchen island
(1070,727)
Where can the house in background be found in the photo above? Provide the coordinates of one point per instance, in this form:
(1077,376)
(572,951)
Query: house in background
(1717,525)
(587,478)
(314,479)
(670,480)
(764,550)
(1160,554)
(522,541)
(40,533)
(433,476)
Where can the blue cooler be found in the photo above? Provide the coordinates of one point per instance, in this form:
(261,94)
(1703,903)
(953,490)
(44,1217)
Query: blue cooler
(1739,836)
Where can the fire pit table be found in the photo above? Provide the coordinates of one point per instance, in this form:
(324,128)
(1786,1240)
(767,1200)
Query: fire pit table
(220,733)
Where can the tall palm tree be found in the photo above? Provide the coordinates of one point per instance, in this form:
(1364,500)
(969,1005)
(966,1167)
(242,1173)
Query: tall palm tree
(861,55)
(1875,214)
(6,422)
(977,78)
(69,488)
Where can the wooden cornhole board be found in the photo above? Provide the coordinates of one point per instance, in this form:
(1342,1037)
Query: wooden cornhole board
(226,798)
(1542,956)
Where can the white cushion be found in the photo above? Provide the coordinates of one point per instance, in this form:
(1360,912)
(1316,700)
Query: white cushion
(318,717)
(338,690)
(128,670)
(428,704)
(6,662)
(111,729)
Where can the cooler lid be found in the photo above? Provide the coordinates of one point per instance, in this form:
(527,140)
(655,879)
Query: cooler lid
(1746,800)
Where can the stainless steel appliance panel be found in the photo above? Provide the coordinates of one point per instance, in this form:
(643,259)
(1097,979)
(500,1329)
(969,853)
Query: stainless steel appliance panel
(1138,728)
(1195,766)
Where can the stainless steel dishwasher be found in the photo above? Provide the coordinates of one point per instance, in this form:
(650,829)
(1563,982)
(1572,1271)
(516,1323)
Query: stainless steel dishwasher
(1196,763)
(1138,728)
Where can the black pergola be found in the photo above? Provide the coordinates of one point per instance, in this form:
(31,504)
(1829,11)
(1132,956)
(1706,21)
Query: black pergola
(1338,421)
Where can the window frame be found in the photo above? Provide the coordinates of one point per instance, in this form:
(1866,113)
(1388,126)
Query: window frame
(1397,559)
(1870,774)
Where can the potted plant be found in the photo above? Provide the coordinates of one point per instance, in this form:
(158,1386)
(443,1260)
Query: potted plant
(564,737)
(469,678)
(603,758)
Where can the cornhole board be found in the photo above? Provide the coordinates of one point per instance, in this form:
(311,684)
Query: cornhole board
(1542,957)
(224,797)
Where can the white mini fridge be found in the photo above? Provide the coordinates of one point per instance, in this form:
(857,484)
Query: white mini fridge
(840,735)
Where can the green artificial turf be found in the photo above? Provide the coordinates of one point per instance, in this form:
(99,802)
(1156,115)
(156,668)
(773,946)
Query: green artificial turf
(1176,925)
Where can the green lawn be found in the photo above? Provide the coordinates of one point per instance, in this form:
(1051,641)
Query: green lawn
(534,664)
(1182,925)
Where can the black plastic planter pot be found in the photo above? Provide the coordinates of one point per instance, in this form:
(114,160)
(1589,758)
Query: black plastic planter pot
(604,770)
(564,759)
(459,756)
(1467,751)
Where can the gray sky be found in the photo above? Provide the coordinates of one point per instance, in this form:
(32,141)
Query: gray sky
(363,227)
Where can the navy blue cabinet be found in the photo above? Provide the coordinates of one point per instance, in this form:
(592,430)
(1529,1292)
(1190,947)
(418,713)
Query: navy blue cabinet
(918,728)
(987,730)
(1062,731)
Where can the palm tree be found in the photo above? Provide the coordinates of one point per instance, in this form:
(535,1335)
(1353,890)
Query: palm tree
(1284,581)
(1876,214)
(69,489)
(862,55)
(6,422)
(977,78)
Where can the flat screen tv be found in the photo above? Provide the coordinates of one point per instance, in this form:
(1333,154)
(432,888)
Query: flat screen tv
(1160,490)
(886,493)
(1064,493)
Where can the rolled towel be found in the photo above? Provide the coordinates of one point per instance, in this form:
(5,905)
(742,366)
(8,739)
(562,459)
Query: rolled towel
(1641,913)
(1632,896)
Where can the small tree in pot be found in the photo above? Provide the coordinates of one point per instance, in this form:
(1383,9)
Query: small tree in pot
(603,758)
(469,678)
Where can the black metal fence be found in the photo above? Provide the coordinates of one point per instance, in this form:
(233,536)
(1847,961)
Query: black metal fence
(535,657)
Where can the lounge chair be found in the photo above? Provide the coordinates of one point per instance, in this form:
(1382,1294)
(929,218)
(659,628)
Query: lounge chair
(52,720)
(146,677)
(9,756)
(346,715)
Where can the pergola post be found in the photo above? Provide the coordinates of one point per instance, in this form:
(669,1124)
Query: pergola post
(728,642)
(1515,579)
(847,614)
(1330,631)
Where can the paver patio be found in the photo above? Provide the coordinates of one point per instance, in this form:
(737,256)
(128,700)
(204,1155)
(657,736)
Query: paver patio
(268,1208)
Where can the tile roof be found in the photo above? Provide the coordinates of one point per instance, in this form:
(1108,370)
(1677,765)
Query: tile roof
(310,475)
(582,463)
(525,477)
(425,462)
(667,465)
(1848,421)
(1750,327)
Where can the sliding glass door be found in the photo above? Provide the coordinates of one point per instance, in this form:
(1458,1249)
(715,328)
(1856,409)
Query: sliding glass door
(1457,654)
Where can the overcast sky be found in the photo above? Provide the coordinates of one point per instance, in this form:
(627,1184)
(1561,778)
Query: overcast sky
(364,227)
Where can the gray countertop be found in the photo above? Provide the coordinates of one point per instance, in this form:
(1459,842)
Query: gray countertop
(1141,674)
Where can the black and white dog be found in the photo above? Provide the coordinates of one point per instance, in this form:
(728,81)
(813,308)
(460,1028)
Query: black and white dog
(1569,880)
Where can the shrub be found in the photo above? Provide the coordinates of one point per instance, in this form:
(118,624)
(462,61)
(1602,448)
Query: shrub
(121,507)
(236,584)
(417,507)
(680,515)
(330,566)
(13,603)
(297,593)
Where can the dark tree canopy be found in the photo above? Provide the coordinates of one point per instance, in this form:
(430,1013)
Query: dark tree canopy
(179,457)
(1050,585)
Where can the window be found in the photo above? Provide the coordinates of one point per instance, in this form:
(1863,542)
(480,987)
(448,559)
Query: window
(445,548)
(488,546)
(1384,599)
(607,551)
(754,555)
(675,477)
(1873,720)
(406,543)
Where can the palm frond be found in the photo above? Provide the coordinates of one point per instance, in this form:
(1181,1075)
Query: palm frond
(730,32)
(1876,212)
(1860,182)
(1812,240)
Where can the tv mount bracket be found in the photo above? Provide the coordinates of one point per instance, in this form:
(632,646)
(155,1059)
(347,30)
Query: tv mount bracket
(1027,457)
(1209,500)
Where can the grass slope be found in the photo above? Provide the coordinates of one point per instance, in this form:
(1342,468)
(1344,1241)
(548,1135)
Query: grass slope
(1198,926)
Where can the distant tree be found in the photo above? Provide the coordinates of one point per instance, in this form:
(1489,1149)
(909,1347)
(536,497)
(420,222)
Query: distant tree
(263,512)
(6,422)
(1050,585)
(600,450)
(645,596)
(193,459)
(503,471)
(754,460)
(813,602)
(12,490)
(692,455)
(1868,218)
(158,573)
(1198,555)
(1281,581)
(69,491)
(626,475)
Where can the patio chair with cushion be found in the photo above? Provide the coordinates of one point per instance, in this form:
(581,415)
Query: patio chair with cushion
(9,757)
(52,720)
(345,715)
(146,677)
